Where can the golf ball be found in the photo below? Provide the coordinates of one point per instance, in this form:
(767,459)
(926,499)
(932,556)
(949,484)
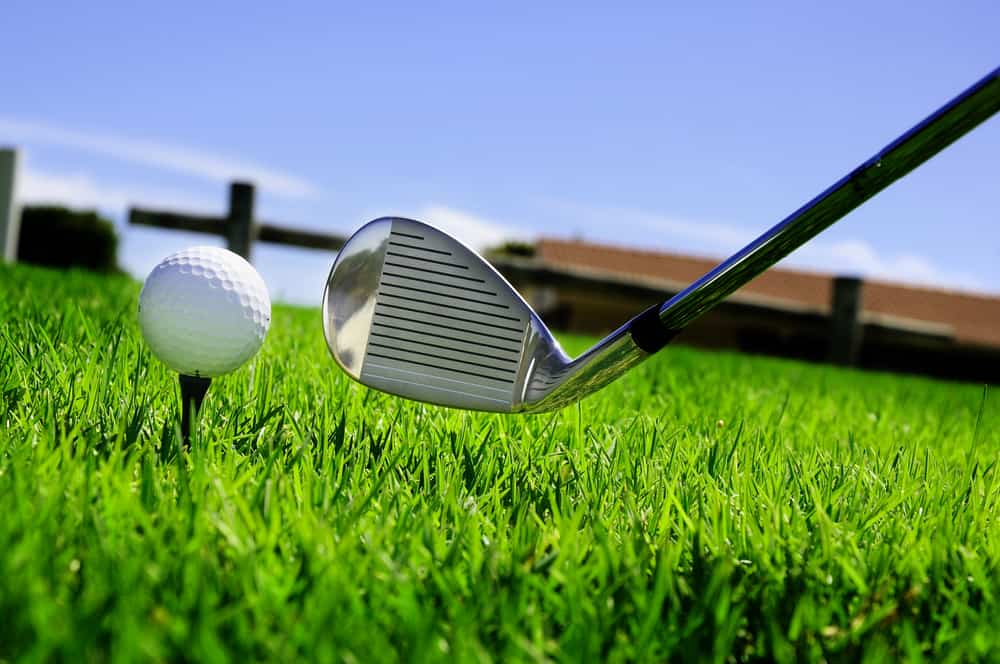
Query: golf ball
(204,311)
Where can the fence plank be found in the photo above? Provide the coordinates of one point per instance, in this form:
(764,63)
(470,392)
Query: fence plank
(10,214)
(240,231)
(846,328)
(298,237)
(179,222)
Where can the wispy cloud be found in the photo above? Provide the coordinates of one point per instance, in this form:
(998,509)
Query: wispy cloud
(713,236)
(77,190)
(474,230)
(861,258)
(181,159)
(620,225)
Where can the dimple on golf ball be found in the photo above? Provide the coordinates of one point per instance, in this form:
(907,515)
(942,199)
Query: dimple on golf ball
(204,311)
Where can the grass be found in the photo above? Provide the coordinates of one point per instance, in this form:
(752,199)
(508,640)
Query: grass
(707,507)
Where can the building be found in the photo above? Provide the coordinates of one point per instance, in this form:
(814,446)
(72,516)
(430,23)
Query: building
(584,287)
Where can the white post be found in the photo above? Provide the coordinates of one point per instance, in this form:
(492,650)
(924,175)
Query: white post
(10,214)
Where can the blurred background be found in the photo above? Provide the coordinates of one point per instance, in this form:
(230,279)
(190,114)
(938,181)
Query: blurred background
(680,129)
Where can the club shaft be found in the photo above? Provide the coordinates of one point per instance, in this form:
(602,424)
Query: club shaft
(936,132)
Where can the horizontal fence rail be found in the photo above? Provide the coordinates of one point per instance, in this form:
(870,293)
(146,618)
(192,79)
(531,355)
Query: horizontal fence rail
(265,232)
(239,226)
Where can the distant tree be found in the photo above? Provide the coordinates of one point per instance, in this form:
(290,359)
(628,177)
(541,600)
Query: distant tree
(58,237)
(513,248)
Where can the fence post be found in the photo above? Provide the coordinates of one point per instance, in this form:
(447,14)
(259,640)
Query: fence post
(10,214)
(846,330)
(240,229)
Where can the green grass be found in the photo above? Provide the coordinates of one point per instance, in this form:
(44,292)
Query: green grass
(707,506)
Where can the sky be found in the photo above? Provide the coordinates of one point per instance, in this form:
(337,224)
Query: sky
(689,127)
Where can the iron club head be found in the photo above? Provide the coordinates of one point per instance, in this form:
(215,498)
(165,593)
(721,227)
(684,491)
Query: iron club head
(410,310)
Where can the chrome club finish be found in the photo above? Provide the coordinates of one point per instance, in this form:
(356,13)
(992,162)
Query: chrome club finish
(412,311)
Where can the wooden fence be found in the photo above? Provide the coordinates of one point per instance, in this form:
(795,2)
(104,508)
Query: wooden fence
(240,227)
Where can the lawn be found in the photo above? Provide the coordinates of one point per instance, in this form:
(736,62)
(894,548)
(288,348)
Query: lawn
(708,506)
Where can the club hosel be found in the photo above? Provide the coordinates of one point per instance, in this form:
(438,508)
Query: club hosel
(648,331)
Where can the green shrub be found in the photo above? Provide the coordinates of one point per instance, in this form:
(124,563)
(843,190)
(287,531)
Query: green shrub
(514,248)
(58,237)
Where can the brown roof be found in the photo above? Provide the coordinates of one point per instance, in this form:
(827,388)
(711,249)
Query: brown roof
(971,318)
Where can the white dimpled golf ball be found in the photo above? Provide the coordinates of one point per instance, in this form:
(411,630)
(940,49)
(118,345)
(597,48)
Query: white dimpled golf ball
(204,311)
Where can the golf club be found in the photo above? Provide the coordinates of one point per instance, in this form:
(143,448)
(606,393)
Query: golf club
(412,311)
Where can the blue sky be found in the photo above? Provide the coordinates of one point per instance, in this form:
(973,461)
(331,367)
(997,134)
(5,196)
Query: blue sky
(684,127)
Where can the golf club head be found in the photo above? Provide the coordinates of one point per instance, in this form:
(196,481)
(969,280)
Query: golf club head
(412,311)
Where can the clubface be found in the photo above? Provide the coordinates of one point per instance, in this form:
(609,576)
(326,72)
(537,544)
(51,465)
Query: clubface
(411,311)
